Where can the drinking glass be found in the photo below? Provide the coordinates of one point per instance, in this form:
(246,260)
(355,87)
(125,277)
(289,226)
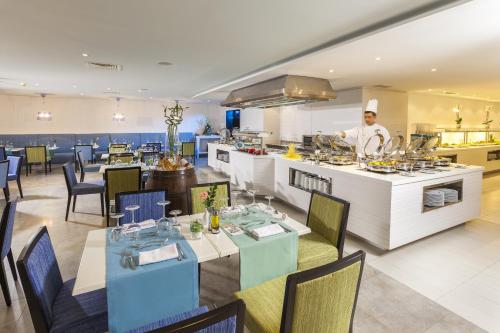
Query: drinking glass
(116,231)
(176,212)
(235,194)
(163,223)
(252,193)
(269,198)
(132,229)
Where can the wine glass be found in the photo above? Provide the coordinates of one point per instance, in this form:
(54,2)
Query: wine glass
(235,194)
(163,222)
(176,212)
(269,198)
(132,229)
(116,231)
(252,193)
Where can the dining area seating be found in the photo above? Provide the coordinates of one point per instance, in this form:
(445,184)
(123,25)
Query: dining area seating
(121,179)
(14,174)
(37,155)
(84,166)
(4,182)
(6,232)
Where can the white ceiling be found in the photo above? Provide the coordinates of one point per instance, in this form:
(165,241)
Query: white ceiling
(461,43)
(208,42)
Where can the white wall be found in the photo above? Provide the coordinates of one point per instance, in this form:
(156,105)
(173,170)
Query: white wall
(392,108)
(94,115)
(327,117)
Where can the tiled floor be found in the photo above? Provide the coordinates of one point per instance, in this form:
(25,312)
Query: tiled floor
(458,268)
(385,305)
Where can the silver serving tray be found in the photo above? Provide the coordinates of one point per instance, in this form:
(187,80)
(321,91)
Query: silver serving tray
(381,168)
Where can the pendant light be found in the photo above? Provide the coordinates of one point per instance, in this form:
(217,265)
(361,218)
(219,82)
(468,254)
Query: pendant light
(44,115)
(118,116)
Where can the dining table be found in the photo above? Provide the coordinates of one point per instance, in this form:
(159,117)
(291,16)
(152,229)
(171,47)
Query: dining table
(91,274)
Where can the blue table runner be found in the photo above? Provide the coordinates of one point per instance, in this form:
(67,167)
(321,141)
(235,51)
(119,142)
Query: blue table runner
(151,292)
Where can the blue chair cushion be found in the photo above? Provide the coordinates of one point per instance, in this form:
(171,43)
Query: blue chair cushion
(87,188)
(11,176)
(92,167)
(83,313)
(225,326)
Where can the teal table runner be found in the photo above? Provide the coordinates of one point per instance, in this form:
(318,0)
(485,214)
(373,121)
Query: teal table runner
(151,292)
(267,258)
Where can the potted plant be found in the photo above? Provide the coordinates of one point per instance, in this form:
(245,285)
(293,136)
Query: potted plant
(458,119)
(208,199)
(196,229)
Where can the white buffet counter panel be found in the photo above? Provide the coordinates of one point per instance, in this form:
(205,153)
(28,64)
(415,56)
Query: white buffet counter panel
(386,210)
(485,156)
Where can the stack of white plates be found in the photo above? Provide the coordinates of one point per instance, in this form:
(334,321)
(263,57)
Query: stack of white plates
(434,198)
(450,195)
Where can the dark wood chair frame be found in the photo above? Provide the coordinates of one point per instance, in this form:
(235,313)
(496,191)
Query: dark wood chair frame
(3,276)
(34,305)
(190,199)
(3,153)
(28,164)
(343,222)
(297,278)
(117,197)
(6,191)
(204,320)
(139,180)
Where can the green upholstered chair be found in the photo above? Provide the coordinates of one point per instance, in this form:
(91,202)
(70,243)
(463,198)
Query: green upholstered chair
(120,180)
(123,157)
(37,155)
(318,300)
(117,148)
(327,219)
(194,201)
(188,150)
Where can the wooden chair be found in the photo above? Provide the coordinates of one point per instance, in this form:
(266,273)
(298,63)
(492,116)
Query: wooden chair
(3,153)
(51,305)
(321,299)
(6,230)
(146,199)
(4,175)
(194,201)
(116,148)
(15,165)
(75,188)
(123,157)
(327,218)
(120,180)
(228,318)
(37,155)
(188,150)
(84,167)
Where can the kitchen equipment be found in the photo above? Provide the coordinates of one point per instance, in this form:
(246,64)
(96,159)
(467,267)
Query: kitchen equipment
(381,168)
(374,146)
(281,90)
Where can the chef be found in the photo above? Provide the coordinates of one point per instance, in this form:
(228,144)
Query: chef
(359,136)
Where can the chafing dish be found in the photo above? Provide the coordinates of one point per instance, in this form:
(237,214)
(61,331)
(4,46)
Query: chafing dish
(382,166)
(442,161)
(423,163)
(340,160)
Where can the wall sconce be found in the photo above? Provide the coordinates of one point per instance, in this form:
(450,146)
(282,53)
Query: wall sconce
(43,115)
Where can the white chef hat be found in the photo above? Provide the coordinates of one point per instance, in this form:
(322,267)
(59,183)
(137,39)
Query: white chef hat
(372,106)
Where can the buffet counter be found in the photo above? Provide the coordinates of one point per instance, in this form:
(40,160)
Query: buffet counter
(251,172)
(487,156)
(387,210)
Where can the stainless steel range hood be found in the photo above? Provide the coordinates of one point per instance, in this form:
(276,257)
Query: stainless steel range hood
(281,90)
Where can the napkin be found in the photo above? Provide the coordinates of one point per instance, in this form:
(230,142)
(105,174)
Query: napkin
(147,224)
(163,253)
(268,230)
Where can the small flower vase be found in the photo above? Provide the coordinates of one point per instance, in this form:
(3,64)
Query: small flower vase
(206,219)
(459,125)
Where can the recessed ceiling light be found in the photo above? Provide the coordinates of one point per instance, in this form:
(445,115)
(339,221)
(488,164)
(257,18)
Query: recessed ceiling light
(150,97)
(142,90)
(36,84)
(164,63)
(81,94)
(429,89)
(108,89)
(85,54)
(378,58)
(331,71)
(433,69)
(74,86)
(23,84)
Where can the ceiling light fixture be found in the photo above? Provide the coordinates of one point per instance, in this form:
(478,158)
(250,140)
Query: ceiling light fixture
(43,115)
(434,70)
(23,84)
(118,116)
(330,71)
(36,84)
(164,63)
(85,54)
(378,58)
(429,89)
(108,89)
(81,94)
(74,86)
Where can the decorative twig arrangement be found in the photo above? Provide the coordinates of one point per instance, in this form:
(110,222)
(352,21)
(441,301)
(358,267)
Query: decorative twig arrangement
(173,120)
